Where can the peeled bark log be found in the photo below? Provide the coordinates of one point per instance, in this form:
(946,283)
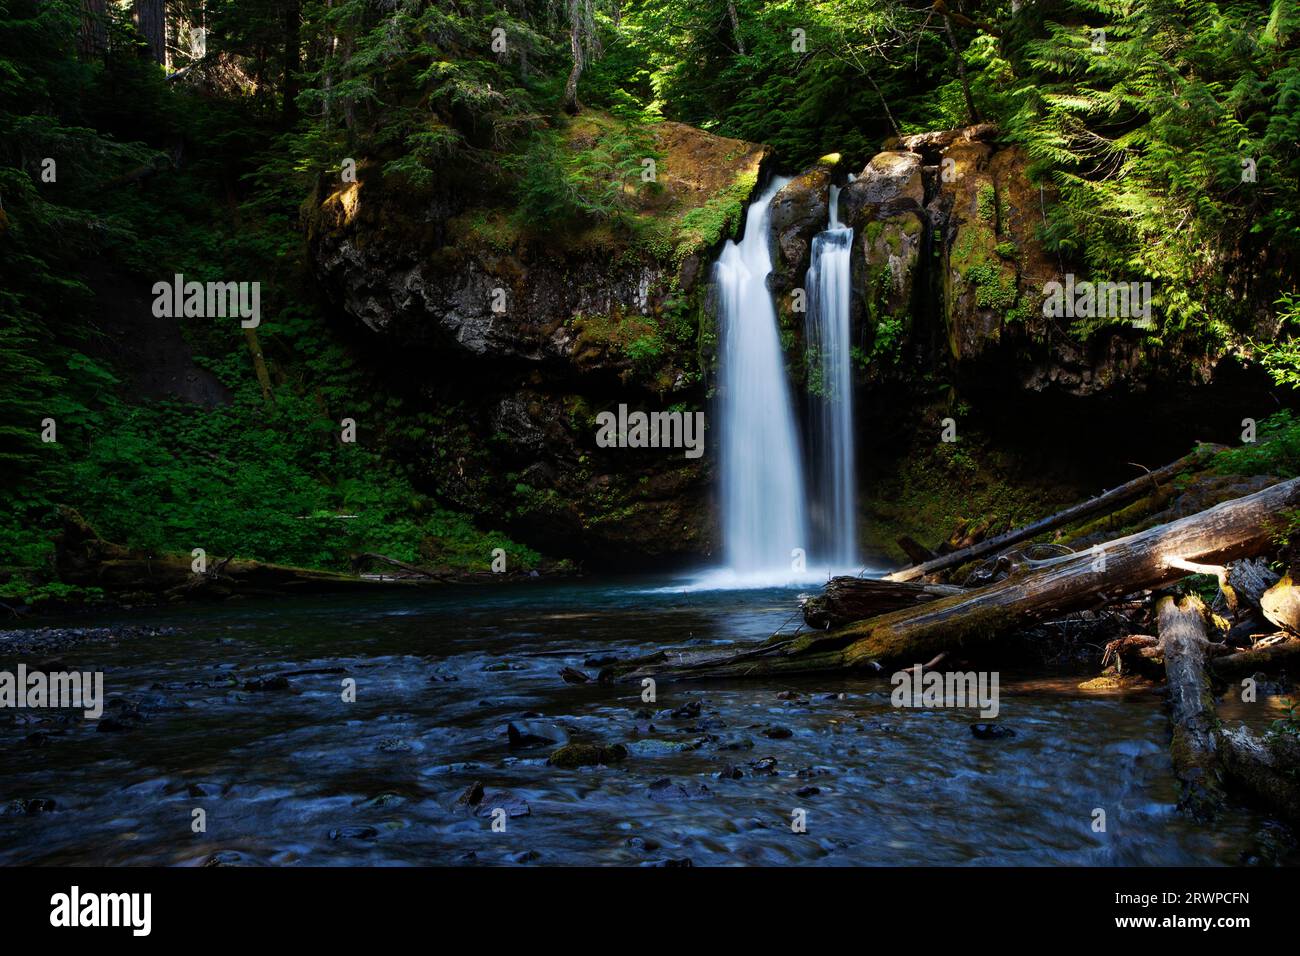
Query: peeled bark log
(1191,706)
(1037,591)
(848,599)
(1093,506)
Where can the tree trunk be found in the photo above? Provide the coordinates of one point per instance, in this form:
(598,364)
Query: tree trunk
(151,20)
(1191,706)
(846,599)
(259,365)
(735,26)
(292,56)
(92,38)
(961,65)
(1043,589)
(1093,506)
(571,104)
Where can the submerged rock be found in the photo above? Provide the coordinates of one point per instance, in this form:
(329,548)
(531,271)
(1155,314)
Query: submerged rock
(534,734)
(513,805)
(991,731)
(472,796)
(275,682)
(354,833)
(585,755)
(664,791)
(30,808)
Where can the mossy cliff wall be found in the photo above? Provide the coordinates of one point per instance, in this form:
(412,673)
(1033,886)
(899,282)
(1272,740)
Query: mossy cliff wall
(524,332)
(520,333)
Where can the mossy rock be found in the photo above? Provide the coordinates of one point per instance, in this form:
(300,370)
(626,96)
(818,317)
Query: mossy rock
(576,755)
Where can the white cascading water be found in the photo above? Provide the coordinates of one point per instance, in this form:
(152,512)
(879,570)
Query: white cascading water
(764,515)
(830,371)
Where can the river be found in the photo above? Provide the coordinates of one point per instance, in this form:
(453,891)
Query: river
(296,774)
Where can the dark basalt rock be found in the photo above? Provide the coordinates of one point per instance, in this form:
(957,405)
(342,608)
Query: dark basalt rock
(354,833)
(586,755)
(665,791)
(991,731)
(514,806)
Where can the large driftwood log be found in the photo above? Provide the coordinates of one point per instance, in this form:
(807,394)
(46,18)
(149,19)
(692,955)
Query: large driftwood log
(848,599)
(1191,706)
(1093,506)
(1034,592)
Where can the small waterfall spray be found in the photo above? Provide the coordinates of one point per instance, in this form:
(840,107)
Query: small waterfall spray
(831,380)
(764,513)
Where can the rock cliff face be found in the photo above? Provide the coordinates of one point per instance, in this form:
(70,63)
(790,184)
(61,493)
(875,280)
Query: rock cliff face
(949,274)
(525,334)
(529,333)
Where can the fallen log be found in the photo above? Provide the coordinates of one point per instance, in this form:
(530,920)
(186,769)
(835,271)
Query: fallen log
(1267,767)
(1257,660)
(1207,756)
(82,557)
(916,552)
(1035,591)
(848,599)
(1093,506)
(1193,747)
(413,571)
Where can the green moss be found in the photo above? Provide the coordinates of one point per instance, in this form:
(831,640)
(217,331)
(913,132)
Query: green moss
(703,228)
(986,204)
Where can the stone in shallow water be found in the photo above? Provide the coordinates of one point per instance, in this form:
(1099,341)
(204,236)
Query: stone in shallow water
(30,808)
(991,731)
(586,755)
(354,833)
(663,791)
(275,682)
(533,734)
(472,795)
(513,805)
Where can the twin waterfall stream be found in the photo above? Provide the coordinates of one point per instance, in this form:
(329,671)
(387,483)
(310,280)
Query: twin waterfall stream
(778,505)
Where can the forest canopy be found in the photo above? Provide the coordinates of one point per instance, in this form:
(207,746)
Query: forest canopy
(186,135)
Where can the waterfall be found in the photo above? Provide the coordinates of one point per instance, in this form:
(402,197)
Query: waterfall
(831,384)
(764,514)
